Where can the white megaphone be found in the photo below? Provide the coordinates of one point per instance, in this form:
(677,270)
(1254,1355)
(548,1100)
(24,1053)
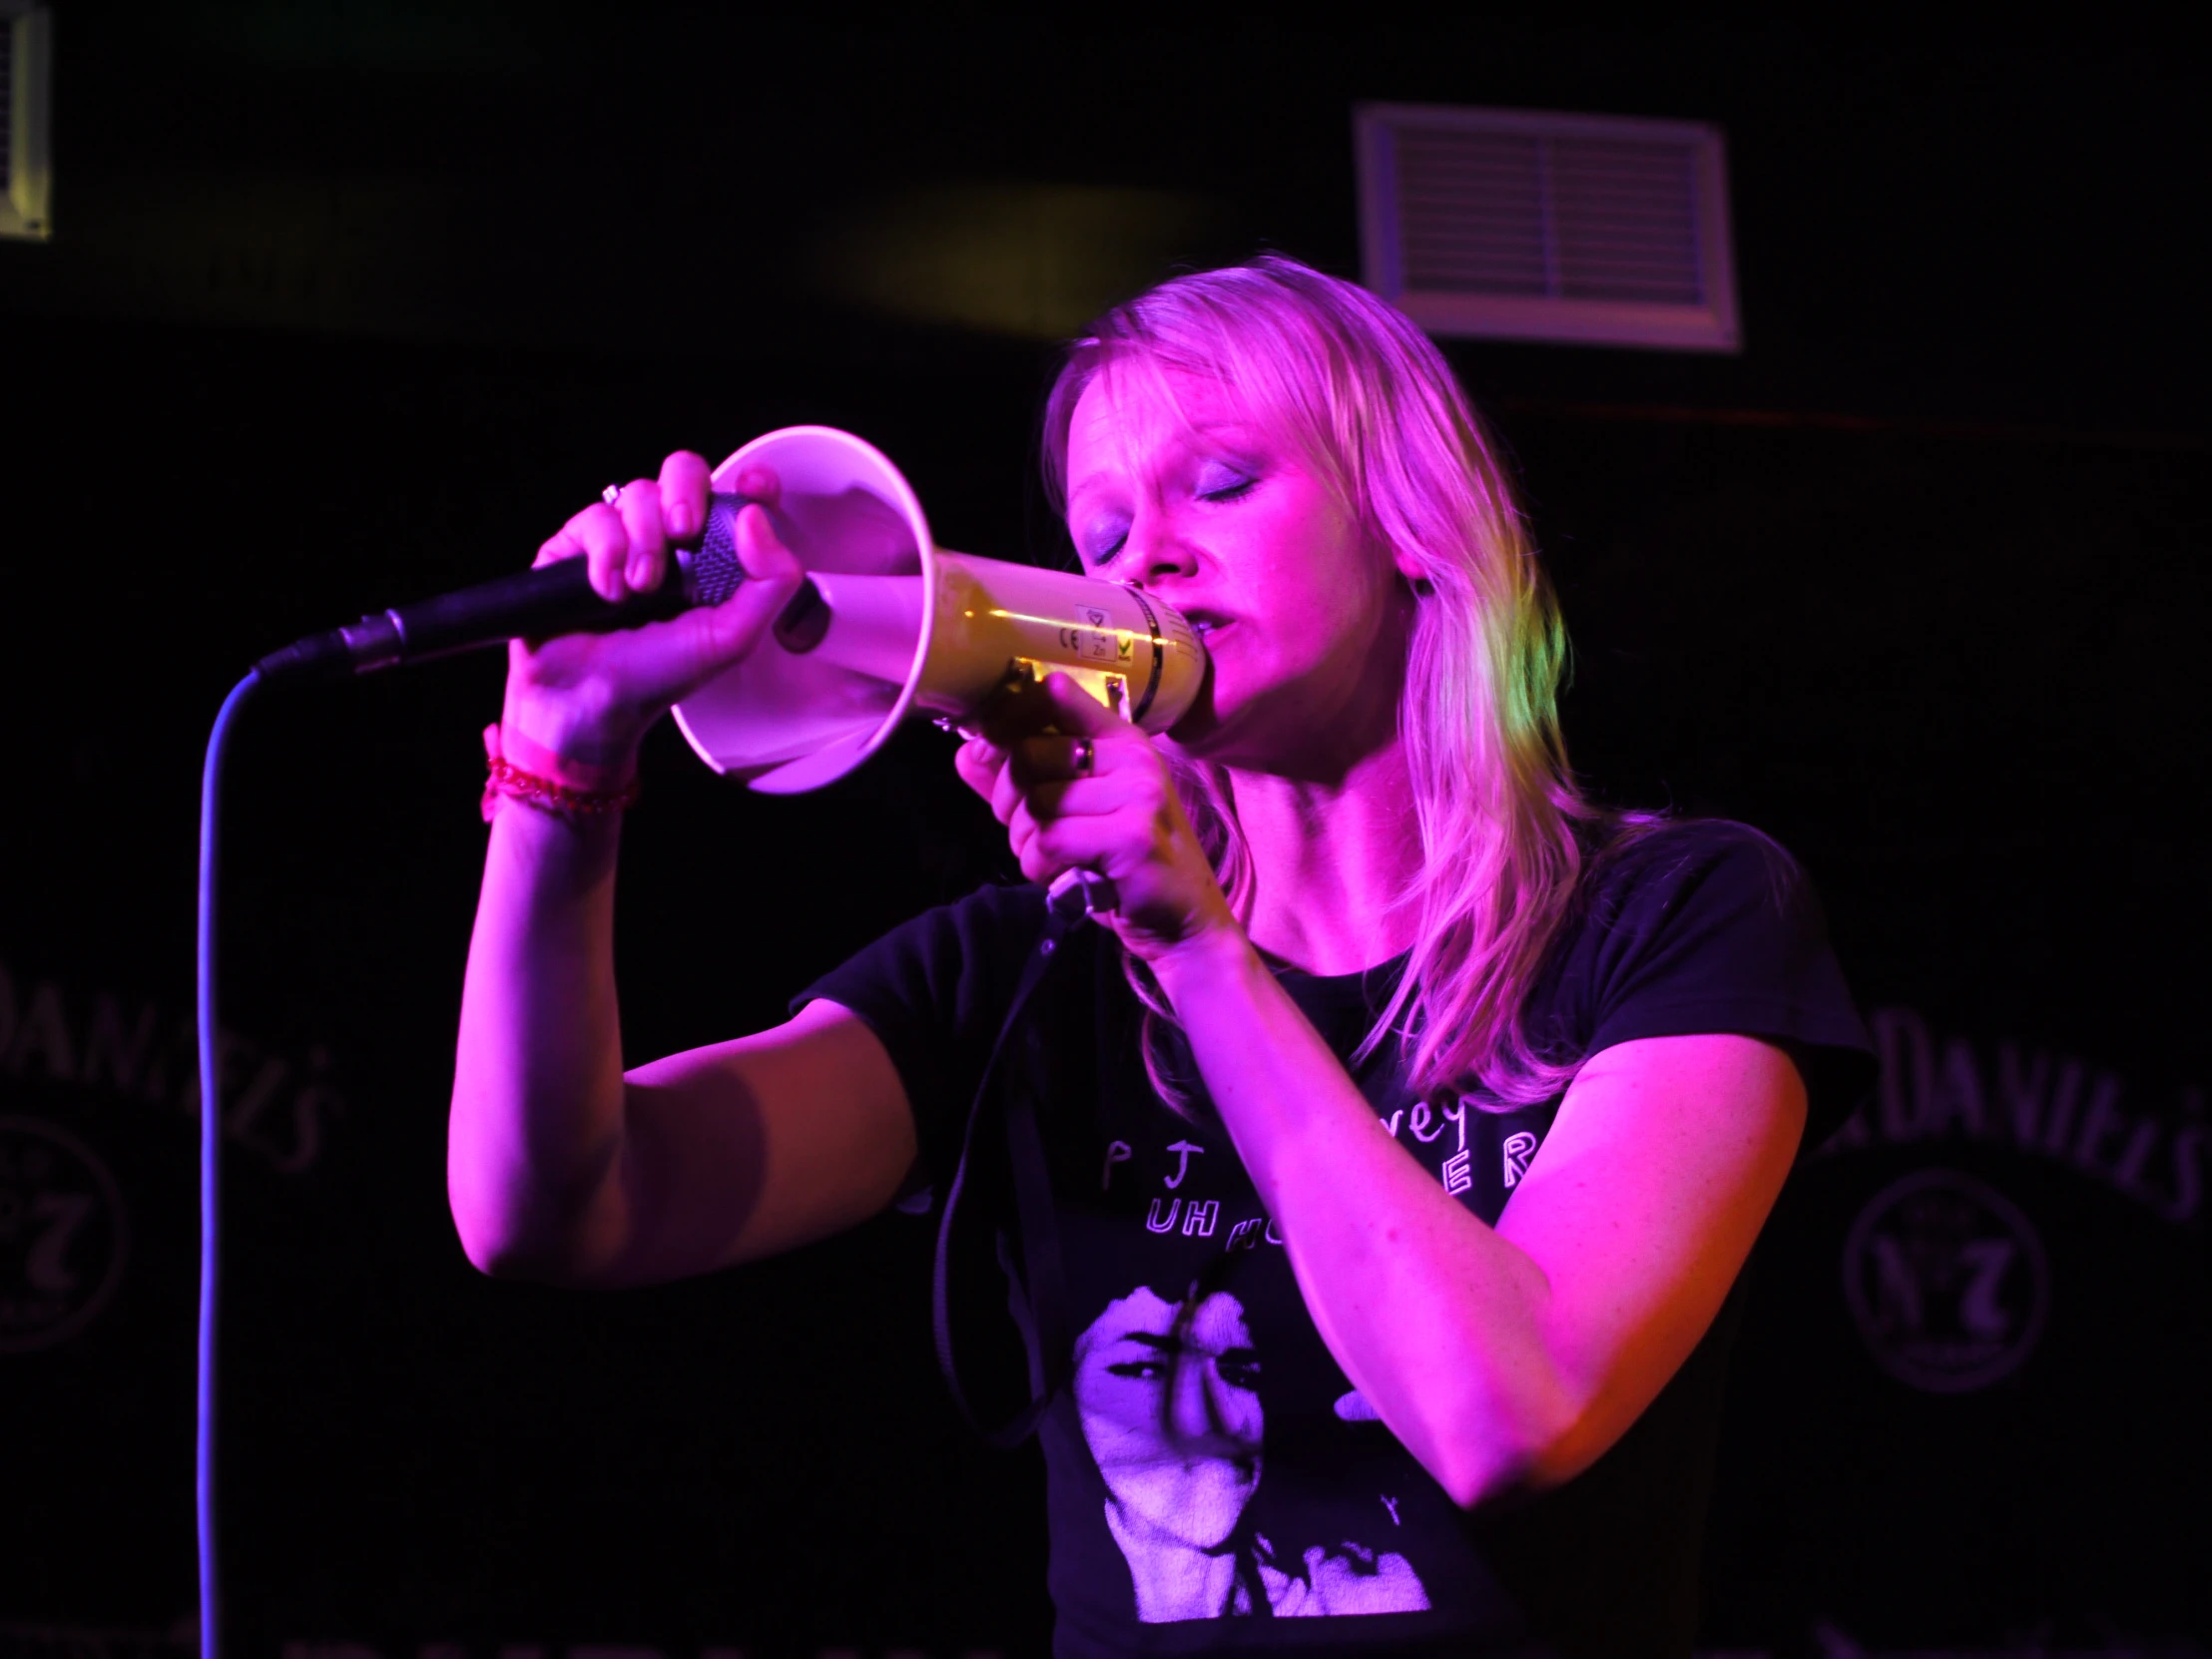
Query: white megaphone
(892,625)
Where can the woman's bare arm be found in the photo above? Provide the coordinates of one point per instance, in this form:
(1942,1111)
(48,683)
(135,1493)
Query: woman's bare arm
(1514,1354)
(561,1167)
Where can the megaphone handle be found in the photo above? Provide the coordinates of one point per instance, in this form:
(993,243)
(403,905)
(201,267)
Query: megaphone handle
(1083,892)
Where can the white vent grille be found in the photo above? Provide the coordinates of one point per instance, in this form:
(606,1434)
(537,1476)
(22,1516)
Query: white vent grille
(1516,224)
(26,178)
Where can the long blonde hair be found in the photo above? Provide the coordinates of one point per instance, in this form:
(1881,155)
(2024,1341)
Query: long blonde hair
(1374,410)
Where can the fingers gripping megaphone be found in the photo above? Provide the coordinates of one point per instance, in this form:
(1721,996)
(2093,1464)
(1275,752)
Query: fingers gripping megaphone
(887,625)
(890,626)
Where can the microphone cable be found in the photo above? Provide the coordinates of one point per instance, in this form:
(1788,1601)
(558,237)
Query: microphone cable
(211,1166)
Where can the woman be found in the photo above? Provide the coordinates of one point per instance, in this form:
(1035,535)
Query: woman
(1411,1117)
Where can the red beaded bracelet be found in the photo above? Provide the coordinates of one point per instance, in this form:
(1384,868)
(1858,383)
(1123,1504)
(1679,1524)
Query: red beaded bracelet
(550,781)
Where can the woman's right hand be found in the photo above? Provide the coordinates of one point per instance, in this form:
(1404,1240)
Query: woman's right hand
(590,697)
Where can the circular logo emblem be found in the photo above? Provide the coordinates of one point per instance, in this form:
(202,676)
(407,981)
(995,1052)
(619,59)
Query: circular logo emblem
(1948,1282)
(61,1235)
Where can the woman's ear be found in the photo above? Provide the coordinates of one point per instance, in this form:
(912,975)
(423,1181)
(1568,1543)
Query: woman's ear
(1410,567)
(1410,572)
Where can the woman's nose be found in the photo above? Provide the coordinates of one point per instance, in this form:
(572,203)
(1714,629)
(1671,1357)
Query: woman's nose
(1205,1409)
(1158,549)
(1190,1401)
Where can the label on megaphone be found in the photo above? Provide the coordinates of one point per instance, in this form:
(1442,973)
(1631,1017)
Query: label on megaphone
(1134,654)
(903,628)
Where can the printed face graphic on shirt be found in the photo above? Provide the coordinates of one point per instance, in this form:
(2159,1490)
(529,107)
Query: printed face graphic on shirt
(1169,1399)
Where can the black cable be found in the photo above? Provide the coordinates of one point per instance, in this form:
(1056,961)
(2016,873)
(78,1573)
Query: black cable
(1041,1308)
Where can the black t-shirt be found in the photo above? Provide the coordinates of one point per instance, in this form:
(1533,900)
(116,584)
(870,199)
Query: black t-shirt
(1215,1483)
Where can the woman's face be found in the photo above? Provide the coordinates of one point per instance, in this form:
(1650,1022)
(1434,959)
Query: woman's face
(1171,1410)
(1174,489)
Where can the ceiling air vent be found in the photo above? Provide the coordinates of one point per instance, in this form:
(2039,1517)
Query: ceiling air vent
(1520,225)
(26,180)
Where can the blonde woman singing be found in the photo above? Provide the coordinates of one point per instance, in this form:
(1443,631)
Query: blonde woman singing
(1410,1120)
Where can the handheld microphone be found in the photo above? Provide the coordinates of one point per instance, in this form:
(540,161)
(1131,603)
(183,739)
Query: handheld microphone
(885,626)
(531,604)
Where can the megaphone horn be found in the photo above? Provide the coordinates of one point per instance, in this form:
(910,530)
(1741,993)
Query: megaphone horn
(892,626)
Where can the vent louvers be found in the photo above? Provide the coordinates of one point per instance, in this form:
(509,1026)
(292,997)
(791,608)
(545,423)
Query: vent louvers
(1516,224)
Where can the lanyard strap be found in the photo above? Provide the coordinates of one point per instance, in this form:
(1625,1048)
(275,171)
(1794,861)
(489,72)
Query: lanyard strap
(1038,1294)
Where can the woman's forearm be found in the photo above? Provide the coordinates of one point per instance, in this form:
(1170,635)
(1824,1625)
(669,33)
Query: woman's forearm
(536,1129)
(536,1163)
(1435,1319)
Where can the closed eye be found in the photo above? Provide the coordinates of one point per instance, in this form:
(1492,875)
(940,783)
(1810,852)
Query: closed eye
(1103,539)
(1222,479)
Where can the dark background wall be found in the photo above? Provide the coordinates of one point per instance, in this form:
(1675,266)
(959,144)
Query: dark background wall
(350,302)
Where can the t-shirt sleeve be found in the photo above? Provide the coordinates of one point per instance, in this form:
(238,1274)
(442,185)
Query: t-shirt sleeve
(1712,926)
(934,992)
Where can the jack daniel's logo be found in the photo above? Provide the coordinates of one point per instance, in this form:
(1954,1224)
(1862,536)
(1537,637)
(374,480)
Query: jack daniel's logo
(1948,1282)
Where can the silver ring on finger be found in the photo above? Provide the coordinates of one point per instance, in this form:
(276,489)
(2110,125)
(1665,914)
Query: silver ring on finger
(612,495)
(1086,757)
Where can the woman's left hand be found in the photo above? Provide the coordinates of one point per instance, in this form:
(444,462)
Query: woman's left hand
(1080,788)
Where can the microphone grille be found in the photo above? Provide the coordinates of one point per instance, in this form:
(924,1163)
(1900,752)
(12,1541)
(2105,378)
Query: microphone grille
(715,571)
